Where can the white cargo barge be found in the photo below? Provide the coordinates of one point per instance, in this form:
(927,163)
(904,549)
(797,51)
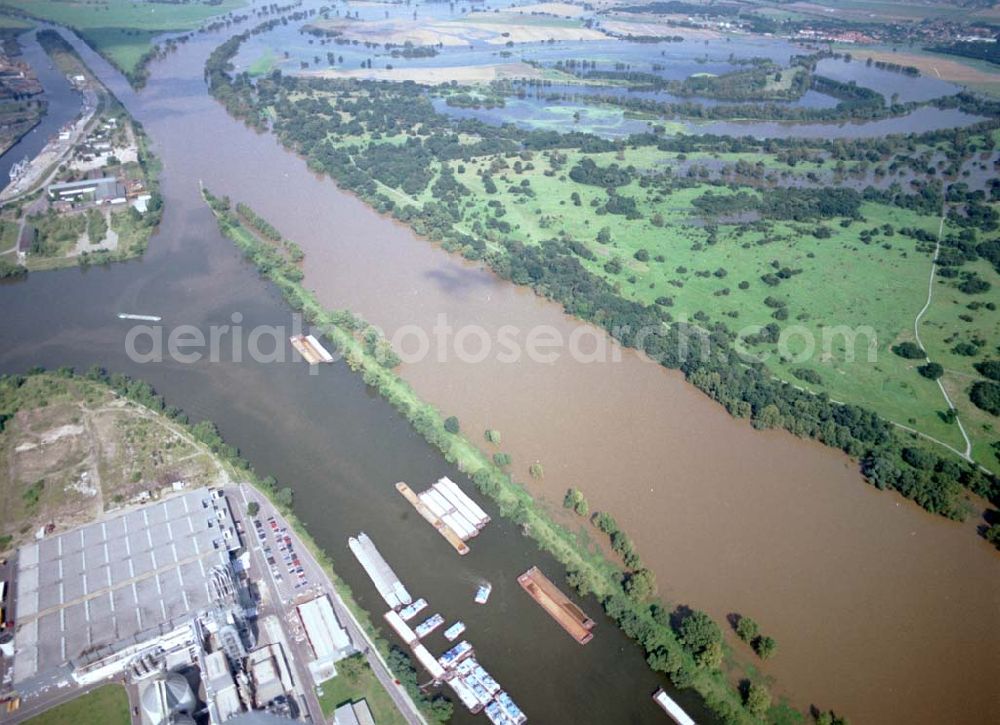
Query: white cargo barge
(673,710)
(311,349)
(382,575)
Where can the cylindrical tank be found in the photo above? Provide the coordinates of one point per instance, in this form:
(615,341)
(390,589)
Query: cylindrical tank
(166,695)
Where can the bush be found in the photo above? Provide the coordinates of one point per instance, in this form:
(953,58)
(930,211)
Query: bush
(253,508)
(642,255)
(931,371)
(909,350)
(502,459)
(451,424)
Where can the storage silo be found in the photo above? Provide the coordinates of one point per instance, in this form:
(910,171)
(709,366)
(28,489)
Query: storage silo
(166,695)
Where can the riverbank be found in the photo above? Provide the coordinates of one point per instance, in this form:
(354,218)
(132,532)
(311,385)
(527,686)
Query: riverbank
(590,572)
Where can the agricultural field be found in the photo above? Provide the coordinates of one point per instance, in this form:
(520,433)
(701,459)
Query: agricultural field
(71,449)
(121,30)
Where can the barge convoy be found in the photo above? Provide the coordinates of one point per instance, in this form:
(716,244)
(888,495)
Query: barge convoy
(457,668)
(449,510)
(569,616)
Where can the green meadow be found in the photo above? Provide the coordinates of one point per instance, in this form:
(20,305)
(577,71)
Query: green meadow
(847,303)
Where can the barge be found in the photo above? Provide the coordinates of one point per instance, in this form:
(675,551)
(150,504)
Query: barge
(569,616)
(412,610)
(455,655)
(311,349)
(381,574)
(673,710)
(401,628)
(433,519)
(428,625)
(454,631)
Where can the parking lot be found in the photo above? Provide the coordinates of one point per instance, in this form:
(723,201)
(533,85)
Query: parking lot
(276,544)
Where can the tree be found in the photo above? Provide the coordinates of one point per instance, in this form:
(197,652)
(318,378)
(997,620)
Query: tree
(711,657)
(441,708)
(574,500)
(698,631)
(451,424)
(989,369)
(931,371)
(352,667)
(284,498)
(605,522)
(640,584)
(986,396)
(765,647)
(758,699)
(501,459)
(493,436)
(992,535)
(909,350)
(252,508)
(747,629)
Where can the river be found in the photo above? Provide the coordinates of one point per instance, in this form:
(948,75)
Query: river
(880,610)
(64,104)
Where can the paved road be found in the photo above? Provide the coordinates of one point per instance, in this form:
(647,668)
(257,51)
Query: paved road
(283,596)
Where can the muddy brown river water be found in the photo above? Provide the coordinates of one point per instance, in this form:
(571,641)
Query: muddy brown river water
(880,610)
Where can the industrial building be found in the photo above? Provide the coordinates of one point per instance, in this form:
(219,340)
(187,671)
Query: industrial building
(94,595)
(328,640)
(353,713)
(105,190)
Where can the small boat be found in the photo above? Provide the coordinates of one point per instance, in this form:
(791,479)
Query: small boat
(454,631)
(483,593)
(144,318)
